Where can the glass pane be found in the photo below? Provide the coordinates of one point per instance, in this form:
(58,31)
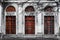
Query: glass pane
(29,24)
(49,24)
(10,25)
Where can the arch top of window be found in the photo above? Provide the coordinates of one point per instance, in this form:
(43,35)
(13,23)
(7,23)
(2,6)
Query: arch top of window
(10,9)
(29,9)
(48,9)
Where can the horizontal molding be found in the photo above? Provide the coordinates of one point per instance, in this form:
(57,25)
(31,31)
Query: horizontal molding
(31,1)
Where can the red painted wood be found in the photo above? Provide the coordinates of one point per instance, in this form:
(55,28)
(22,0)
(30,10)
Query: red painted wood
(10,25)
(49,24)
(29,25)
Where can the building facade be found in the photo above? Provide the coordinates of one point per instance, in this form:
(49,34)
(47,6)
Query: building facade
(30,18)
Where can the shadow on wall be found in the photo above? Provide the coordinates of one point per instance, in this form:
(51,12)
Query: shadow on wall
(0,0)
(50,0)
(59,31)
(5,0)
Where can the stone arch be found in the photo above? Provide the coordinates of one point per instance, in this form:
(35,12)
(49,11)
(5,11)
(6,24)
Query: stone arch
(48,8)
(29,9)
(10,9)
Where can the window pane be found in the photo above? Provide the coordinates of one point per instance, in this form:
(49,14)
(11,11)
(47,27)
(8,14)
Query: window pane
(10,24)
(49,24)
(29,24)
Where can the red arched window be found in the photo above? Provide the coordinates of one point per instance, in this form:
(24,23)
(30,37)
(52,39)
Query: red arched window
(10,9)
(29,9)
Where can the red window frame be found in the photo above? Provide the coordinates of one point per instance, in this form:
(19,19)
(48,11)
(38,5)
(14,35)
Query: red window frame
(29,24)
(48,24)
(10,24)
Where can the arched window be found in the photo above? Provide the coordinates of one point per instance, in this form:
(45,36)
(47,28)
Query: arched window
(10,9)
(48,8)
(29,9)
